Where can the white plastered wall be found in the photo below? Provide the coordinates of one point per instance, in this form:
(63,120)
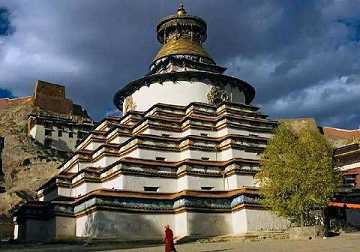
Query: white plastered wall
(93,146)
(84,188)
(178,93)
(37,132)
(255,220)
(76,166)
(119,140)
(239,222)
(127,226)
(137,183)
(116,183)
(148,226)
(237,181)
(166,185)
(195,183)
(209,224)
(124,226)
(181,224)
(223,155)
(210,133)
(105,161)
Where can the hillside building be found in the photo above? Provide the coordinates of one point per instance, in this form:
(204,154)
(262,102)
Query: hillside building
(57,122)
(59,133)
(185,153)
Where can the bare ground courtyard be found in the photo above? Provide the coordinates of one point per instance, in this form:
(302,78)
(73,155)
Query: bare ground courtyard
(346,243)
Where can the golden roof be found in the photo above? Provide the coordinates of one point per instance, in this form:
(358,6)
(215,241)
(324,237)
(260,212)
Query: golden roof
(182,46)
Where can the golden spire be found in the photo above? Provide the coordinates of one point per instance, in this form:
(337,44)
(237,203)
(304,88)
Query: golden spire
(182,34)
(181,10)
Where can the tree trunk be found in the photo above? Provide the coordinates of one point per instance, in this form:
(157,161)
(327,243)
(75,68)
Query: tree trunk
(302,219)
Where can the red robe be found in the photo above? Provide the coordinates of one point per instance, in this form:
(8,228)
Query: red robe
(169,240)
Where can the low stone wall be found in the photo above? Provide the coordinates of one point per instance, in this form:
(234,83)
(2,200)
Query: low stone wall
(306,233)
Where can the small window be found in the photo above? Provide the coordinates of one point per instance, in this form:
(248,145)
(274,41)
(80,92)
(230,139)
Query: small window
(47,132)
(204,134)
(47,142)
(205,158)
(349,181)
(207,188)
(160,158)
(81,134)
(151,188)
(71,135)
(60,133)
(165,135)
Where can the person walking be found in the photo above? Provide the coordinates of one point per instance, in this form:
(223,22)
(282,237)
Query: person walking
(169,240)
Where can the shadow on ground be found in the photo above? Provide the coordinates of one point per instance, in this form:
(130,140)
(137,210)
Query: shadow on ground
(76,246)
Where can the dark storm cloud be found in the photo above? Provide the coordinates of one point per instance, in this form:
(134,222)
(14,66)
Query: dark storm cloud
(4,93)
(5,27)
(354,26)
(302,56)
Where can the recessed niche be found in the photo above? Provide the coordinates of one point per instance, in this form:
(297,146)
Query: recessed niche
(151,188)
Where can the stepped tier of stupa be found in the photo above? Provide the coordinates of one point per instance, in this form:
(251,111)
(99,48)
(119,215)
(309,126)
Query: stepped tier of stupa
(184,153)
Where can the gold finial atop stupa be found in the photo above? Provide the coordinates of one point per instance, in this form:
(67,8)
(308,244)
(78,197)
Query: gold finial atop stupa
(182,34)
(181,10)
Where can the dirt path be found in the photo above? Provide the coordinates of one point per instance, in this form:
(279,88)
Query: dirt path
(344,243)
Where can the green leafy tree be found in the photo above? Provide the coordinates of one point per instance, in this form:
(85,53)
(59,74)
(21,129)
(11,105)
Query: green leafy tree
(297,174)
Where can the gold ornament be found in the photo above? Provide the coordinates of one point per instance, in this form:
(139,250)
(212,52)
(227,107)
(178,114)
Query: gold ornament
(217,95)
(129,104)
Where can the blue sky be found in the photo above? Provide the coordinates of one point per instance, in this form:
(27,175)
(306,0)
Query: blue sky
(301,56)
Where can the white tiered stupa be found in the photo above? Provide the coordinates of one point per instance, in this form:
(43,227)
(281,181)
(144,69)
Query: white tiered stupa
(185,154)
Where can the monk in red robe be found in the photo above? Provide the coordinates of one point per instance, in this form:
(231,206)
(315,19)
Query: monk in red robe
(169,240)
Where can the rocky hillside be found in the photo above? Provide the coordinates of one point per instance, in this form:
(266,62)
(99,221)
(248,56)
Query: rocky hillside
(26,164)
